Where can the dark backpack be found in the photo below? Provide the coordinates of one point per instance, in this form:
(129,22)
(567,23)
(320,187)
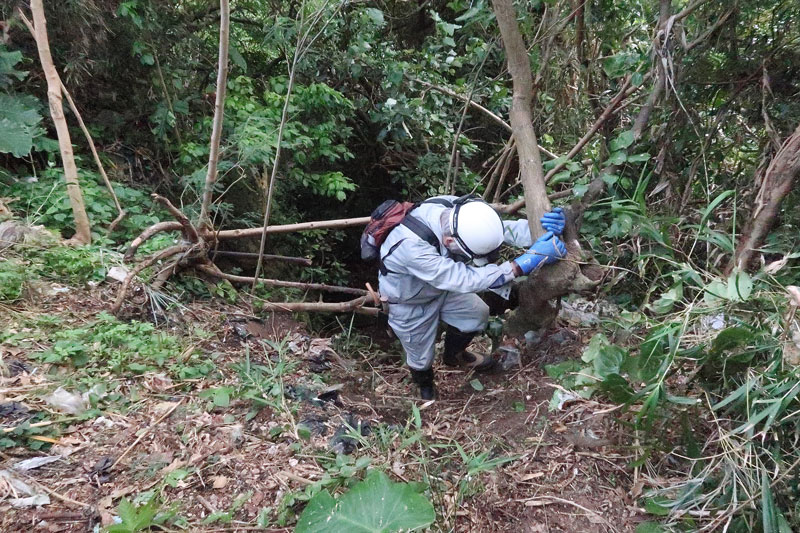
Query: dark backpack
(388,216)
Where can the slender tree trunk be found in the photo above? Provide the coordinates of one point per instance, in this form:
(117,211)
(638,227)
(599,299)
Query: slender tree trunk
(777,183)
(530,161)
(83,234)
(219,112)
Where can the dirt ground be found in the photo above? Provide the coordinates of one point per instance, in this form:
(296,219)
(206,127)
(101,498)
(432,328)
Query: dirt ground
(231,467)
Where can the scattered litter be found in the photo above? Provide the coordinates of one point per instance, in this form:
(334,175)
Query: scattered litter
(712,322)
(13,410)
(562,336)
(508,357)
(24,494)
(582,312)
(35,462)
(342,441)
(117,273)
(44,289)
(315,425)
(66,402)
(13,232)
(532,338)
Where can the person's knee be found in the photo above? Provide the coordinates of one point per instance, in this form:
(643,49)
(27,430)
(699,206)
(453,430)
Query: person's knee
(478,319)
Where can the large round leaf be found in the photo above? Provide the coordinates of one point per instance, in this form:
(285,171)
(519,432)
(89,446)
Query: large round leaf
(374,505)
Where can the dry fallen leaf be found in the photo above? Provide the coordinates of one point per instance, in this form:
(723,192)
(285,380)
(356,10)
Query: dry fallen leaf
(219,482)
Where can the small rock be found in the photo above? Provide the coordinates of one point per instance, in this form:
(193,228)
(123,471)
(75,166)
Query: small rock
(219,482)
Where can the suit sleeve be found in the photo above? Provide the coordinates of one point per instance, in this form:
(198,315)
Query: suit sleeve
(517,233)
(421,260)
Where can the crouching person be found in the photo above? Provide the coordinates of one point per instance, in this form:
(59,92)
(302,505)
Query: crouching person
(432,264)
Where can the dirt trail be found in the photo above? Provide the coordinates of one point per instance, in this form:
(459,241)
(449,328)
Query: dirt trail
(216,468)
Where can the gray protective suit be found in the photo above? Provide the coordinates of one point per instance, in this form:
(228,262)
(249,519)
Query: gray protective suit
(425,285)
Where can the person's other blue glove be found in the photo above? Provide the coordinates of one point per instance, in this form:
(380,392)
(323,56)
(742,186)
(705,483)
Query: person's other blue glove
(547,249)
(554,221)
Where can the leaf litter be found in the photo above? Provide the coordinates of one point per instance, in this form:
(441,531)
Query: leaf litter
(240,447)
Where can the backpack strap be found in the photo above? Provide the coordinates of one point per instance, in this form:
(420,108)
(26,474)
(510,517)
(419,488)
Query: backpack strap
(419,228)
(439,201)
(381,267)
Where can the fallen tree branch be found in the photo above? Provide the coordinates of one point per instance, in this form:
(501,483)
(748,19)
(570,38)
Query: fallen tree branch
(156,228)
(290,228)
(267,257)
(212,270)
(189,231)
(356,306)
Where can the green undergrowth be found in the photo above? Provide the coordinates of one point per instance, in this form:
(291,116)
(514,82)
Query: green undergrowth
(108,346)
(707,380)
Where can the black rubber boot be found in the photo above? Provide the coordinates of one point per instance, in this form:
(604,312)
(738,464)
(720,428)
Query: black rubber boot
(456,354)
(424,379)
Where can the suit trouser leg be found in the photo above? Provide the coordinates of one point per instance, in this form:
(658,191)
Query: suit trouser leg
(416,326)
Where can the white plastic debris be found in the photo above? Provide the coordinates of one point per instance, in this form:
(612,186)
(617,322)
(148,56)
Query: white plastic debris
(35,462)
(66,402)
(117,273)
(25,494)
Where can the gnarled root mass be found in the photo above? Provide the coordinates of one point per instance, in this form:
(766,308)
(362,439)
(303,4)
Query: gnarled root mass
(196,247)
(540,295)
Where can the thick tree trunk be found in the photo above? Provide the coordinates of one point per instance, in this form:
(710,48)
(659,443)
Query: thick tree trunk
(777,183)
(539,295)
(530,161)
(83,234)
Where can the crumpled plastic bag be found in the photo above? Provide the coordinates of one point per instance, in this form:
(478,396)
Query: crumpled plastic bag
(67,402)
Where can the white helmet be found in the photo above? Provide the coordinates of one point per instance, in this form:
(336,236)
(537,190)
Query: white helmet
(476,227)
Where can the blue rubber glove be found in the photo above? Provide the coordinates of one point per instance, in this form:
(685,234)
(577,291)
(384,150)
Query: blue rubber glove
(554,221)
(547,249)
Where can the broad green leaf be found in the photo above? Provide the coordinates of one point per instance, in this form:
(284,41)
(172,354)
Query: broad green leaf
(730,338)
(237,58)
(616,158)
(374,505)
(624,140)
(376,15)
(740,286)
(638,158)
(715,291)
(654,506)
(616,388)
(20,109)
(668,299)
(15,138)
(476,384)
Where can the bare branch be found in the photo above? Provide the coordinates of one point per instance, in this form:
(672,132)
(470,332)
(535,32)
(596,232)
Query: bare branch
(219,112)
(120,211)
(190,232)
(290,228)
(149,232)
(267,257)
(356,306)
(216,272)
